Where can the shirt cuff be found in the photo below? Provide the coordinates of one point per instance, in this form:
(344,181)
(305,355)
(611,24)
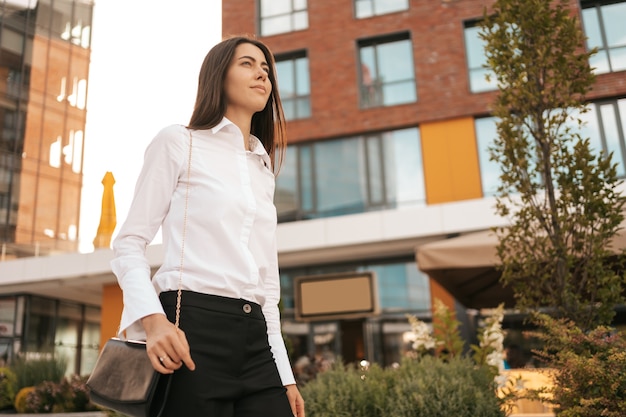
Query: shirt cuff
(281,358)
(140,300)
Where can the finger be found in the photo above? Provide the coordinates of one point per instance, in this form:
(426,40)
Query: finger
(301,408)
(159,366)
(185,354)
(169,363)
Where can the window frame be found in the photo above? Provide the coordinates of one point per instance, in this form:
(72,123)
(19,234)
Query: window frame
(605,47)
(488,86)
(374,13)
(291,14)
(378,193)
(376,43)
(293,57)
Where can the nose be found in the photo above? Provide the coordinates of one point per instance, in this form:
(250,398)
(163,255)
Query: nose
(261,74)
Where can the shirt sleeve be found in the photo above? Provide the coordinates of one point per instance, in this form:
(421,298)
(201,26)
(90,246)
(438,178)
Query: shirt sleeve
(272,316)
(163,161)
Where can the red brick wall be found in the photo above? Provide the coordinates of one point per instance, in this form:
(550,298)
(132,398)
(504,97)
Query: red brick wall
(436,30)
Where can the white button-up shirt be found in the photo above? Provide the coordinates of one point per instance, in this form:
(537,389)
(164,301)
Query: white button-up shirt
(230,244)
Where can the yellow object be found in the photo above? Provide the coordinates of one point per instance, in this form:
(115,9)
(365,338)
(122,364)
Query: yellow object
(20,399)
(528,379)
(108,217)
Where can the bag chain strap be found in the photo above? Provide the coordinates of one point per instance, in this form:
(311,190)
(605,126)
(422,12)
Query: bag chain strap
(182,246)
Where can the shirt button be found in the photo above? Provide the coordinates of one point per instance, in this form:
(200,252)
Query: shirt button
(247,308)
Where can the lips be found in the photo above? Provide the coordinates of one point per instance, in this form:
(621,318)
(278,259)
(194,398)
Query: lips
(260,87)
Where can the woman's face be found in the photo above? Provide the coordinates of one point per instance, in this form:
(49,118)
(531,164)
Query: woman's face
(247,84)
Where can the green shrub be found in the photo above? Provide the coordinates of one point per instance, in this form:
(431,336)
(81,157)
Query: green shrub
(31,372)
(424,387)
(8,382)
(589,368)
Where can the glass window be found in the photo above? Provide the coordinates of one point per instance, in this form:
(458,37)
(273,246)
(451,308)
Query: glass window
(401,286)
(294,85)
(66,334)
(604,26)
(281,16)
(340,177)
(351,175)
(39,335)
(486,134)
(387,72)
(7,316)
(476,60)
(286,195)
(90,340)
(404,172)
(369,8)
(604,125)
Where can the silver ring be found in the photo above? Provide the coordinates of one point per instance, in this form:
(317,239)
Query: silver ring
(161,358)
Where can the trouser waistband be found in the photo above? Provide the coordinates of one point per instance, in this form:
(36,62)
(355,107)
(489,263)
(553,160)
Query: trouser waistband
(212,302)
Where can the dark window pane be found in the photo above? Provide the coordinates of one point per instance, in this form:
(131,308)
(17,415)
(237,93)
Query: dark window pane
(375,170)
(286,195)
(306,178)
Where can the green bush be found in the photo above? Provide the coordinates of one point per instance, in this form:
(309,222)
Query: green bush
(423,387)
(7,388)
(590,368)
(31,372)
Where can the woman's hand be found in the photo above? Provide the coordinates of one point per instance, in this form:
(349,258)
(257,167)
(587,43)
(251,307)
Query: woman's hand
(166,344)
(295,400)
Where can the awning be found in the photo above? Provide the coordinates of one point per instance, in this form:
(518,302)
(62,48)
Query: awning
(466,267)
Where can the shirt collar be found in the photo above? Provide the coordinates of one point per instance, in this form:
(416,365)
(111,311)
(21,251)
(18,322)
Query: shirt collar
(221,125)
(257,147)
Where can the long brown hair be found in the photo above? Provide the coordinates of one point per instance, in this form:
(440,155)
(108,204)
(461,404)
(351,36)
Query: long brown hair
(268,125)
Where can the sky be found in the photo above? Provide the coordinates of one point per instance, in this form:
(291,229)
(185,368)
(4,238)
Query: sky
(145,60)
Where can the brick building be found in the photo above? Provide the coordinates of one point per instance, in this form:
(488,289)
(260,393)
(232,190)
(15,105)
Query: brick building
(388,122)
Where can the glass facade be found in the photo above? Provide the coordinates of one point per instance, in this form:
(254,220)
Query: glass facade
(387,71)
(604,125)
(351,175)
(44,66)
(38,327)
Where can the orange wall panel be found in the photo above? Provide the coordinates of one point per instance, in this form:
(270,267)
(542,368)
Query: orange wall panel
(111,311)
(450,161)
(440,293)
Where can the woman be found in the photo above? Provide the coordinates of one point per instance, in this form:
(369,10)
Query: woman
(218,224)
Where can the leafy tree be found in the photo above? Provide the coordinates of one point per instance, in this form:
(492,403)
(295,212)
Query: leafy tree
(561,196)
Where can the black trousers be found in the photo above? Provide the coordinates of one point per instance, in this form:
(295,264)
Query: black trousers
(235,374)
